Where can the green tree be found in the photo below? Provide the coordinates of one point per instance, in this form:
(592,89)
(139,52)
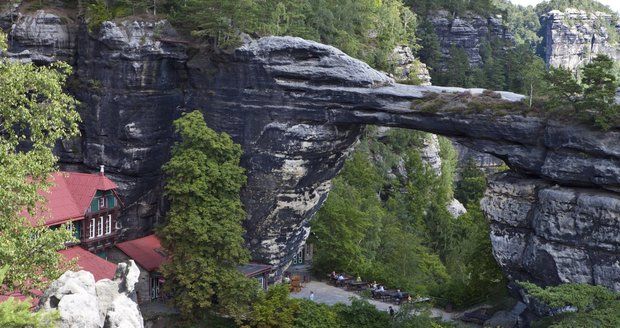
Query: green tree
(315,315)
(16,314)
(204,234)
(34,114)
(470,188)
(600,91)
(274,309)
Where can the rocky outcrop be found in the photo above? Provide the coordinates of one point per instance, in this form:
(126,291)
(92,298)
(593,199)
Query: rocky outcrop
(82,303)
(573,37)
(468,32)
(297,107)
(407,68)
(552,234)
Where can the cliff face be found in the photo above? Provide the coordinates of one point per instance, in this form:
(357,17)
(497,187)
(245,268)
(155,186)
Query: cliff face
(573,37)
(468,32)
(297,107)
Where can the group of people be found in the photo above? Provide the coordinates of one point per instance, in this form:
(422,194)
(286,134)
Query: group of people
(379,291)
(340,279)
(376,290)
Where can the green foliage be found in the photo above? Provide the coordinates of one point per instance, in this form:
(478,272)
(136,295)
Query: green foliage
(274,309)
(396,229)
(522,22)
(470,188)
(583,296)
(591,100)
(34,111)
(361,314)
(315,315)
(204,233)
(596,306)
(456,7)
(97,13)
(366,29)
(17,314)
(587,5)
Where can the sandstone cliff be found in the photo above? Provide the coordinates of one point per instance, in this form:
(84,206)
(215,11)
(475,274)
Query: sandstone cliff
(468,32)
(573,37)
(297,108)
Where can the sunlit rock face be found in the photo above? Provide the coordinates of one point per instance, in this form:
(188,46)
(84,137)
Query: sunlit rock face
(573,37)
(552,234)
(297,108)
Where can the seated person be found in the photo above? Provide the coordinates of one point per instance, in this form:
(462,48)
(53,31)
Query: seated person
(341,279)
(358,279)
(333,275)
(287,280)
(399,296)
(374,286)
(381,289)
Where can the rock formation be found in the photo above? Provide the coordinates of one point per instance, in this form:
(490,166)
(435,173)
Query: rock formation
(553,234)
(297,108)
(82,303)
(467,32)
(573,37)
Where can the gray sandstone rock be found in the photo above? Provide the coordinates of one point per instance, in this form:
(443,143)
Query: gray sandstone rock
(573,37)
(467,32)
(297,108)
(82,303)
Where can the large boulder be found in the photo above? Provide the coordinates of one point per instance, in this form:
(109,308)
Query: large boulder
(82,303)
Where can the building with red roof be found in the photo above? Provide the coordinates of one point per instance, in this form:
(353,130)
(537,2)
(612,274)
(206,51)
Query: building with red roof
(100,268)
(148,255)
(84,203)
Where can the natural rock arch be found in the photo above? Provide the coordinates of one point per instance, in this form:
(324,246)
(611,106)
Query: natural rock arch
(313,98)
(297,107)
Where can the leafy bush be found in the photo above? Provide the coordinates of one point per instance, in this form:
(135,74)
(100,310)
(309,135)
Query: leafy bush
(596,306)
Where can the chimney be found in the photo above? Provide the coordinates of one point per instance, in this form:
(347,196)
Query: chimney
(101,170)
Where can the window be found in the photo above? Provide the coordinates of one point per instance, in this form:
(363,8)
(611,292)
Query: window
(117,225)
(100,227)
(69,226)
(108,224)
(299,257)
(92,229)
(261,282)
(155,286)
(101,202)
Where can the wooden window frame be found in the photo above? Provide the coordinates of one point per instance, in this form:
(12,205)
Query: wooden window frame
(100,227)
(108,224)
(93,226)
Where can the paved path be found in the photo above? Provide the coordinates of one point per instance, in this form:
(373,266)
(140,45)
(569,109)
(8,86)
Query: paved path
(327,294)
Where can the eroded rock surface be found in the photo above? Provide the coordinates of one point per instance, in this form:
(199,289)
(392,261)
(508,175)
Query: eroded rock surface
(82,303)
(468,32)
(573,37)
(297,107)
(552,234)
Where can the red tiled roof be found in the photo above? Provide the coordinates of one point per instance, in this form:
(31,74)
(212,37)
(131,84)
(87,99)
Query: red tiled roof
(146,251)
(69,196)
(90,262)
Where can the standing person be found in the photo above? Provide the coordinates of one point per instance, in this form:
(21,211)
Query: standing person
(312,296)
(391,311)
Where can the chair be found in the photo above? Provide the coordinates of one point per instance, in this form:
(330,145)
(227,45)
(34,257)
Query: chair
(296,284)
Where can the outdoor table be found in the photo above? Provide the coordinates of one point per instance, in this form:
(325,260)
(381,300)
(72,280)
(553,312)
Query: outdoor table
(357,284)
